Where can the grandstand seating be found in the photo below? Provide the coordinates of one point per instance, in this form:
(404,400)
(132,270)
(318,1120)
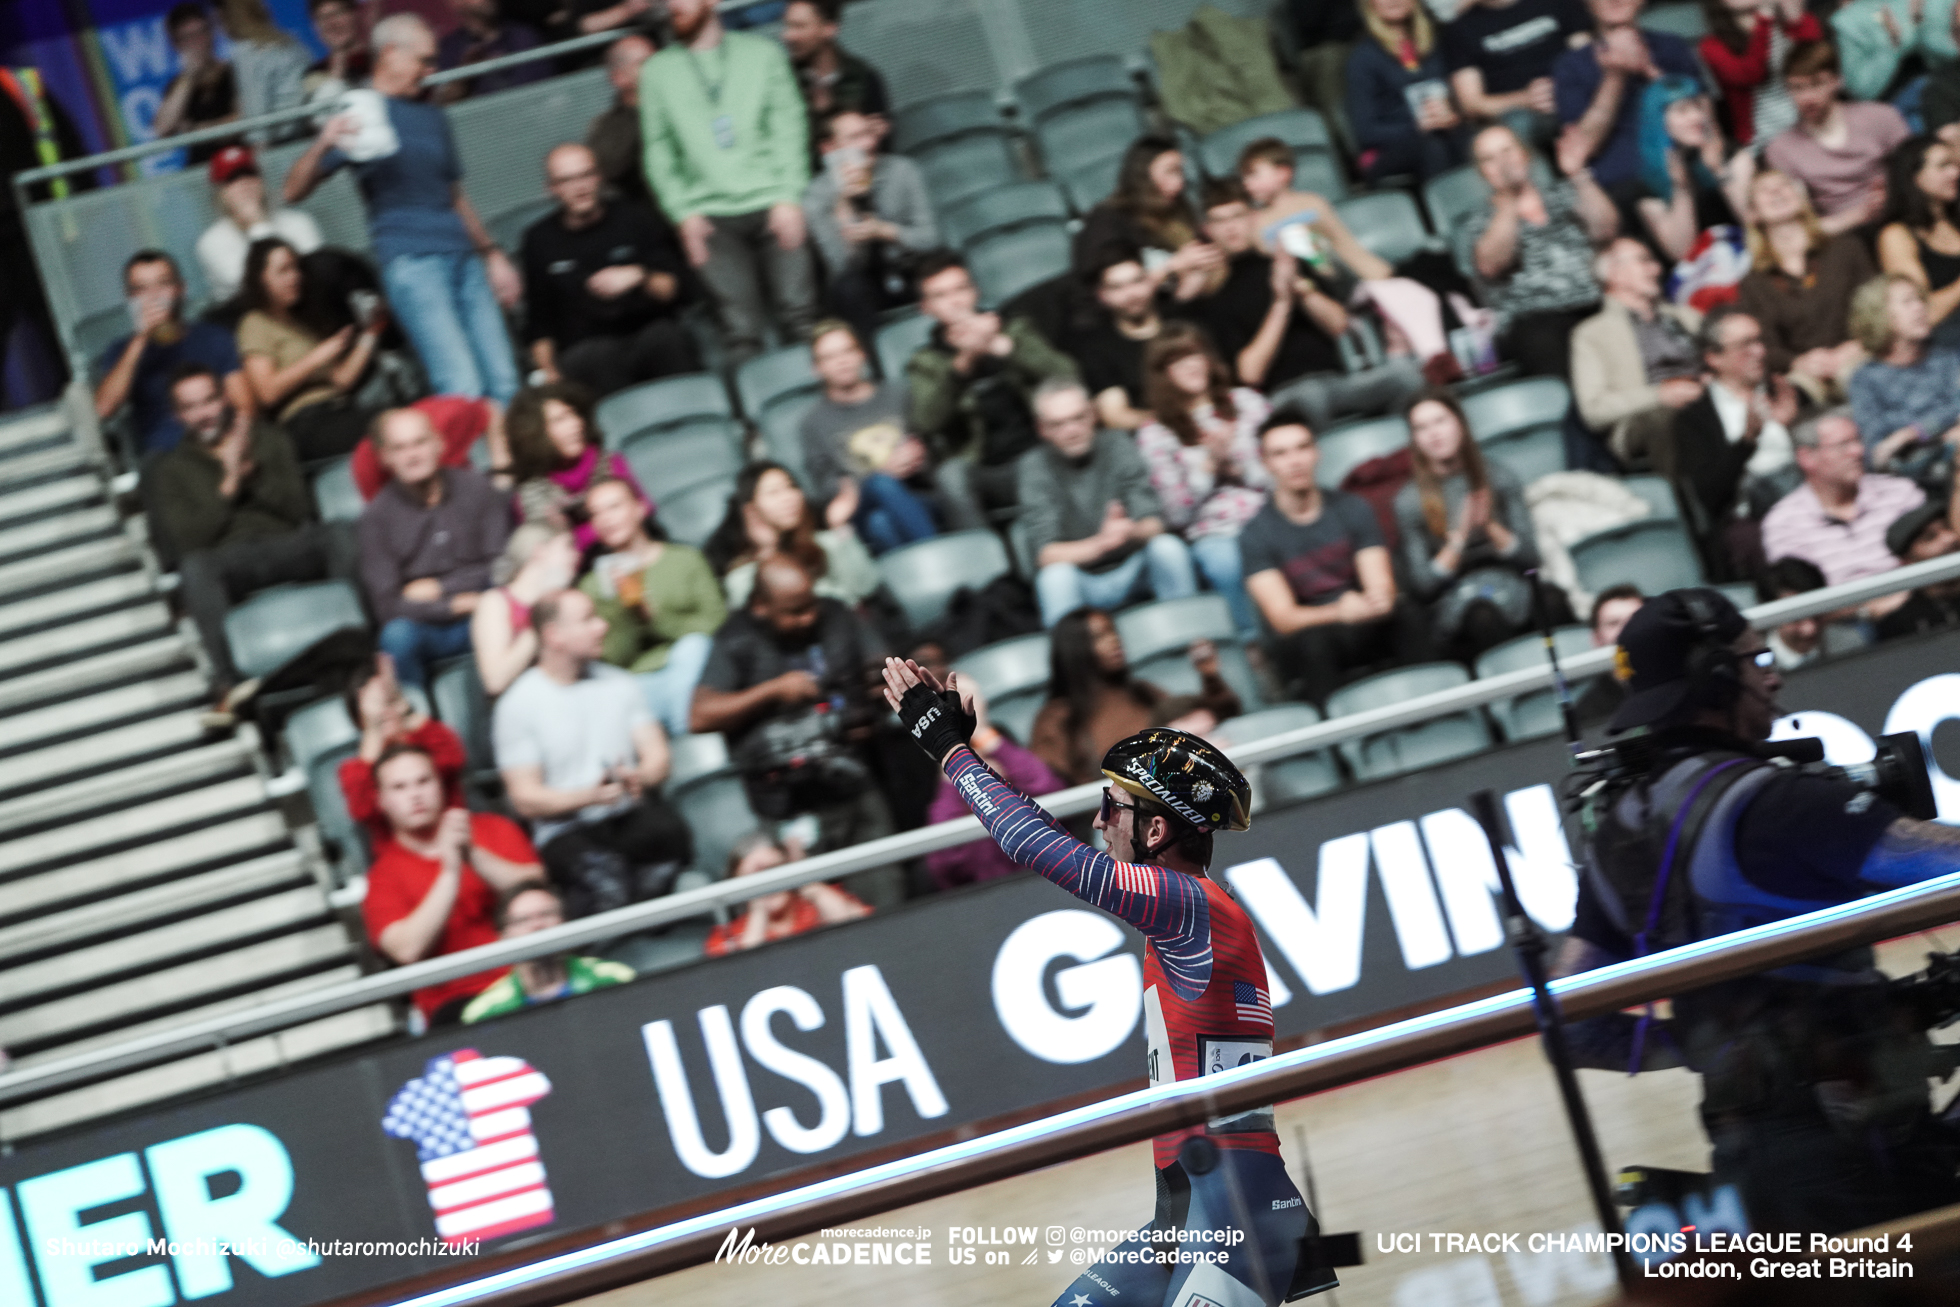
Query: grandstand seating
(923,576)
(1387,223)
(1528,716)
(1286,779)
(1006,263)
(691,514)
(657,405)
(674,459)
(782,436)
(1303,129)
(1407,748)
(1001,209)
(273,625)
(1346,447)
(1656,554)
(1013,674)
(774,378)
(898,340)
(335,495)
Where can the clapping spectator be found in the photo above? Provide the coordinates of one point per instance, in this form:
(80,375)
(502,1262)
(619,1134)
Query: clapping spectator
(784,913)
(1318,570)
(1634,363)
(138,368)
(433,886)
(1921,240)
(339,27)
(1732,451)
(1398,101)
(982,859)
(306,381)
(1799,287)
(204,93)
(1747,46)
(1799,641)
(1202,448)
(1907,399)
(1094,526)
(555,456)
(239,192)
(660,599)
(1111,343)
(1093,700)
(769,517)
(871,219)
(1533,250)
(483,32)
(1926,533)
(1836,149)
(1598,87)
(524,909)
(538,560)
(855,442)
(832,77)
(1685,180)
(1880,38)
(1837,519)
(1500,55)
(614,136)
(727,151)
(268,63)
(1149,218)
(602,283)
(444,276)
(385,718)
(583,759)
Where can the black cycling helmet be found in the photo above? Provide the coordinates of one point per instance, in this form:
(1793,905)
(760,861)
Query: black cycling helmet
(1189,776)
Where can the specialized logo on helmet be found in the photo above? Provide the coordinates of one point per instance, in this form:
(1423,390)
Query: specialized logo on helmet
(1164,796)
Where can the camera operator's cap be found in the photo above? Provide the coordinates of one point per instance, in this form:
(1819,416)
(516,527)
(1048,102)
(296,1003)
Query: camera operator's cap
(1900,535)
(1651,660)
(231,161)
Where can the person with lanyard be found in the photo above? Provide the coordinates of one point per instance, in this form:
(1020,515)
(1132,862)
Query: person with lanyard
(1205,1003)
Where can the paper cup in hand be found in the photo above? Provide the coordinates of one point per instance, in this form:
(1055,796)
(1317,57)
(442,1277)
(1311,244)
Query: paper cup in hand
(375,136)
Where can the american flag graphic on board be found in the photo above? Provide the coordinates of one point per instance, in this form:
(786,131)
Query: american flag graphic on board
(468,1115)
(1251,1002)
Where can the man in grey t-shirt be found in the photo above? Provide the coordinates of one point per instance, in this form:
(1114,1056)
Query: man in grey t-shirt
(582,758)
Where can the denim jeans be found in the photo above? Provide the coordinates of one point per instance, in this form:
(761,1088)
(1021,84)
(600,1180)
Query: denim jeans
(670,691)
(414,645)
(1218,558)
(445,304)
(891,514)
(1161,569)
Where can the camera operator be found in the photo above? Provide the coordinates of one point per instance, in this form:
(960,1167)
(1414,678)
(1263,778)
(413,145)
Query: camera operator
(1814,1080)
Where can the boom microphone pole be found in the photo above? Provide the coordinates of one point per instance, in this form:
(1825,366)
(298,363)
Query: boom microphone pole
(1568,714)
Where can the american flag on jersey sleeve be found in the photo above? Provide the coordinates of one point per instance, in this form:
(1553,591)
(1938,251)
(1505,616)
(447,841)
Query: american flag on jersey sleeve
(468,1115)
(1251,1002)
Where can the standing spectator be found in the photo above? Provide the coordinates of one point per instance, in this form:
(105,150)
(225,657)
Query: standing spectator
(769,517)
(784,913)
(204,93)
(972,383)
(832,77)
(136,370)
(602,284)
(1921,238)
(1466,534)
(482,32)
(614,136)
(660,600)
(1110,348)
(1685,179)
(444,276)
(1747,46)
(1799,287)
(239,194)
(428,541)
(1500,55)
(269,63)
(870,218)
(1837,519)
(304,381)
(1533,250)
(385,718)
(1149,217)
(1398,101)
(1094,526)
(433,887)
(229,505)
(1634,363)
(339,26)
(1093,700)
(856,433)
(35,130)
(727,152)
(1926,533)
(1326,33)
(538,560)
(1612,608)
(1836,149)
(1598,85)
(555,456)
(1277,325)
(583,760)
(982,859)
(1907,398)
(1732,448)
(524,909)
(1318,569)
(1202,448)
(1800,641)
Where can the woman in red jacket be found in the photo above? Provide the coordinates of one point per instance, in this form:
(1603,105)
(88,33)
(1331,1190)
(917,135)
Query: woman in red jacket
(1746,45)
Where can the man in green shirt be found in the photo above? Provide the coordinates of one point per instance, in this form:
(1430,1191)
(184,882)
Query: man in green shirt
(727,151)
(526,908)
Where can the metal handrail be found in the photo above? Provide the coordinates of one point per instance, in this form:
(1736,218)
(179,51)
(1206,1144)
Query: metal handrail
(1133,1117)
(28,1082)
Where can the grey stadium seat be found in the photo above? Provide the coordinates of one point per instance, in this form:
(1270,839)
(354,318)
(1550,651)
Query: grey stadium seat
(899,341)
(1088,182)
(1283,780)
(668,462)
(335,495)
(924,575)
(696,755)
(771,378)
(1172,672)
(1658,494)
(782,436)
(966,166)
(1654,555)
(507,228)
(945,118)
(654,405)
(1007,263)
(1686,21)
(1528,716)
(1387,223)
(275,625)
(462,706)
(1013,675)
(1344,448)
(1170,625)
(1520,424)
(691,515)
(1741,594)
(1001,209)
(1407,748)
(1081,133)
(1303,129)
(319,737)
(1320,171)
(1048,91)
(716,808)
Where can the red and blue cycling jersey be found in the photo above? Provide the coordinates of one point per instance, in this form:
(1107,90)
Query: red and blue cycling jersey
(1205,1003)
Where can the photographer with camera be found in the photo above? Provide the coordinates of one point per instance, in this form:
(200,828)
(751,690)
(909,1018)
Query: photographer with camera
(1814,1077)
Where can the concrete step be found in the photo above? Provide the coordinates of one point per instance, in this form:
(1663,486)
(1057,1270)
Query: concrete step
(281,913)
(31,426)
(81,675)
(53,532)
(224,799)
(38,501)
(119,627)
(93,920)
(73,601)
(121,788)
(98,878)
(44,768)
(53,461)
(61,565)
(110,706)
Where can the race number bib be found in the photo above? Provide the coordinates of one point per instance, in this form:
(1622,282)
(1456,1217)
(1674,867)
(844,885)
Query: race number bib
(1227,1054)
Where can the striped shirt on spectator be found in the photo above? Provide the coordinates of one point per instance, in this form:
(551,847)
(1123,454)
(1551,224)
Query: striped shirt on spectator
(1844,549)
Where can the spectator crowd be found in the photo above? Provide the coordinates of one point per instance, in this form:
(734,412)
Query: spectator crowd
(1742,256)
